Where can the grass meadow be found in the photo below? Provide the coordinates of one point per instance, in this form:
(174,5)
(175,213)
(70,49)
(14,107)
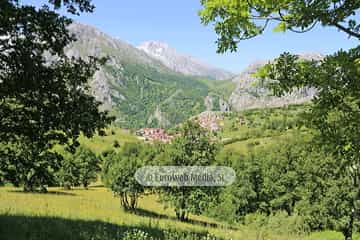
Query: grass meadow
(95,213)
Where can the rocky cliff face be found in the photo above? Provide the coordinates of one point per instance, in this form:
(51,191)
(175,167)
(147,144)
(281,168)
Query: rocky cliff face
(249,94)
(182,63)
(93,42)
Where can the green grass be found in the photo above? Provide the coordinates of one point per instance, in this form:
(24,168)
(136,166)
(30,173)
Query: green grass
(96,214)
(245,146)
(91,209)
(99,144)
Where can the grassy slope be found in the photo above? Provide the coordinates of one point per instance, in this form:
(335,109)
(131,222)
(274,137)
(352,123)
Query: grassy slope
(95,214)
(263,127)
(99,144)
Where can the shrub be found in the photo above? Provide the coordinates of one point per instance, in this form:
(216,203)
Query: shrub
(116,144)
(279,222)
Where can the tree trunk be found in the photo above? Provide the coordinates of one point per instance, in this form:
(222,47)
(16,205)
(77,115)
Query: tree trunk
(347,234)
(28,187)
(348,230)
(183,217)
(42,189)
(133,201)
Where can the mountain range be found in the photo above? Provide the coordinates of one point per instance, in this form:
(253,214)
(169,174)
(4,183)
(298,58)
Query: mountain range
(153,85)
(182,63)
(139,89)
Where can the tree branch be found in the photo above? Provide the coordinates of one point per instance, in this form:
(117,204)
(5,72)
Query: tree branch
(265,18)
(305,30)
(347,30)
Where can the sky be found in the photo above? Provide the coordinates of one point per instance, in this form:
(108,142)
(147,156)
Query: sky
(177,23)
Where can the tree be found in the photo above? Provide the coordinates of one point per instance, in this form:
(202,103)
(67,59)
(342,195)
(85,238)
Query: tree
(335,115)
(237,20)
(68,174)
(82,167)
(88,165)
(44,96)
(16,168)
(119,174)
(284,175)
(193,148)
(245,195)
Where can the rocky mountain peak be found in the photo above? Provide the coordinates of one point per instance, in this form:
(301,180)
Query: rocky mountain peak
(182,63)
(154,47)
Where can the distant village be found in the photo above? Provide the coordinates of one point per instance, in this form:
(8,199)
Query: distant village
(154,134)
(208,120)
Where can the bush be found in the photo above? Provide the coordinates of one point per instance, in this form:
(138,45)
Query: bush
(116,144)
(102,133)
(107,152)
(279,222)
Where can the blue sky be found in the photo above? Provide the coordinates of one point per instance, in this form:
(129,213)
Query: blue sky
(177,23)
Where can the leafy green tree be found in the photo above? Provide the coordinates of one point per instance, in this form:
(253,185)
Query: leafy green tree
(88,165)
(284,174)
(68,174)
(248,190)
(16,168)
(119,174)
(335,115)
(268,180)
(43,93)
(194,147)
(237,20)
(226,208)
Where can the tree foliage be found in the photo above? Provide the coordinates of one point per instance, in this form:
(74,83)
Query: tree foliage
(335,115)
(44,98)
(194,147)
(88,165)
(236,20)
(68,174)
(332,192)
(119,173)
(80,168)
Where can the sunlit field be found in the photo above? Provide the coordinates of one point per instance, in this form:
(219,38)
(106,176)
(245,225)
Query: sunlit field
(96,214)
